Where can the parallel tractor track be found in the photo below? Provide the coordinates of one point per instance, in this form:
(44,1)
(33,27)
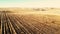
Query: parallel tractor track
(19,24)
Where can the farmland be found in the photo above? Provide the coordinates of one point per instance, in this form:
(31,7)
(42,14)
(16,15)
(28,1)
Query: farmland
(29,23)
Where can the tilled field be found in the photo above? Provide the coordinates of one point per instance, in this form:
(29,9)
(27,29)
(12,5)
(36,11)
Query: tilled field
(29,24)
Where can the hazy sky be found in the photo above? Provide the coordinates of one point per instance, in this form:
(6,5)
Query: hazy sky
(30,3)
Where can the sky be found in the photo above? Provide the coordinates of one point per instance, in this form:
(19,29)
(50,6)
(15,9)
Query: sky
(30,3)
